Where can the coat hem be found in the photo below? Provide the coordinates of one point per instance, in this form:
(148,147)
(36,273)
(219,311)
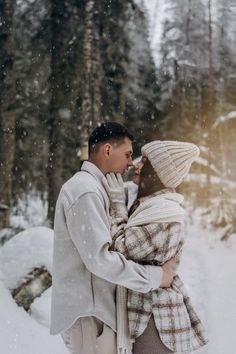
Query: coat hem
(81,316)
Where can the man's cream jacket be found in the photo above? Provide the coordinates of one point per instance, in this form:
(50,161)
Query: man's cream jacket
(85,272)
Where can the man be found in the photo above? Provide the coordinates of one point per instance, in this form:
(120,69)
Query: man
(85,272)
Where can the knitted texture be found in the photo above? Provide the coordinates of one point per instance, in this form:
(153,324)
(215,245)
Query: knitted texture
(171,160)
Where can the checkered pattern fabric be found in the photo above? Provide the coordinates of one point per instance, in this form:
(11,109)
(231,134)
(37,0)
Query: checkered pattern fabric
(179,326)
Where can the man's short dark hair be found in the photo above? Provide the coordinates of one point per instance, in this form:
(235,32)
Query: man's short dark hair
(106,132)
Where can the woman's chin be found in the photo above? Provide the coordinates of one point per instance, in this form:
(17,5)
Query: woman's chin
(135,180)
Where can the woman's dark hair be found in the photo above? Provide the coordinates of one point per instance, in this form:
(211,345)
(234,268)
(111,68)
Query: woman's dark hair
(149,181)
(110,131)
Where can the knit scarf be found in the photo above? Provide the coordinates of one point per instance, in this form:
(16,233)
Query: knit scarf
(159,208)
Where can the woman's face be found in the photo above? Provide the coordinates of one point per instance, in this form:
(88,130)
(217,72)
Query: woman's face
(137,170)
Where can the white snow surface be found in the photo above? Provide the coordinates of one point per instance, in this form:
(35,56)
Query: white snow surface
(208,269)
(222,119)
(30,210)
(20,255)
(21,334)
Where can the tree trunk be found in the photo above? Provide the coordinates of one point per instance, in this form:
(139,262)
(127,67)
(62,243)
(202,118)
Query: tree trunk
(210,102)
(57,103)
(91,106)
(7,113)
(210,65)
(97,65)
(32,287)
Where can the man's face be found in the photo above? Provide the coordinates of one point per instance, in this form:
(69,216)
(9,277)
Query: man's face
(120,156)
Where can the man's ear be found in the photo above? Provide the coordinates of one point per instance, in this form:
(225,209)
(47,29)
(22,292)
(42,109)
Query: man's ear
(106,150)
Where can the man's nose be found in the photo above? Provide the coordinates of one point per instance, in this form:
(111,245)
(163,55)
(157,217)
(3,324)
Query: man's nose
(130,163)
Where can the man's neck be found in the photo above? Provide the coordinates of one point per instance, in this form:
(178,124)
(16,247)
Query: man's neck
(99,164)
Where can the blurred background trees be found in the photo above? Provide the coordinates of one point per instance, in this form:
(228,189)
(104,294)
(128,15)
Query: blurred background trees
(66,66)
(7,108)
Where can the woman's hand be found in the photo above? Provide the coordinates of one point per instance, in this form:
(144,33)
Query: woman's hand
(114,186)
(168,273)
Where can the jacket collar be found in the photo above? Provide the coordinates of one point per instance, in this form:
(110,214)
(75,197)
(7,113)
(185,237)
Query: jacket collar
(92,170)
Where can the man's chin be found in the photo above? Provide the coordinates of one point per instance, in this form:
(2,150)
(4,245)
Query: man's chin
(121,172)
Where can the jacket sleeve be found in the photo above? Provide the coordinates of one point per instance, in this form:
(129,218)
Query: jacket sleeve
(89,230)
(138,242)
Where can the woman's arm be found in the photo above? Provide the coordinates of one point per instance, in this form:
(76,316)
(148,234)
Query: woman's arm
(136,242)
(145,242)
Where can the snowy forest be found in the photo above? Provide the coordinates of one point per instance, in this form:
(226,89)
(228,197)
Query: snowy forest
(164,69)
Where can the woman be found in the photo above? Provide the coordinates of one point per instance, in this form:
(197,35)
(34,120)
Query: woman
(161,321)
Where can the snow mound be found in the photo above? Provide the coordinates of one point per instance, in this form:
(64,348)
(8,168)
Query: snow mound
(27,250)
(20,334)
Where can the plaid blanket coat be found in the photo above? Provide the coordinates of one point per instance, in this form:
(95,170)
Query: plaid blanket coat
(153,235)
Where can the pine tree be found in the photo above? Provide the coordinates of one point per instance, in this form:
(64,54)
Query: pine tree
(61,106)
(140,89)
(7,106)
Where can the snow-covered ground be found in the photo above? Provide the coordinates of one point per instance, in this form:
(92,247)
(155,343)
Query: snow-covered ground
(208,268)
(20,332)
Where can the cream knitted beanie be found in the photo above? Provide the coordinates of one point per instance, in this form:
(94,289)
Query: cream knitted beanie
(171,160)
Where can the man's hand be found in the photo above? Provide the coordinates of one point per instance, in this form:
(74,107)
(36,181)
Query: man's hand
(114,186)
(168,273)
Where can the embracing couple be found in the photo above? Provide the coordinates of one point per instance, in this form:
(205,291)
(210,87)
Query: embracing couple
(115,283)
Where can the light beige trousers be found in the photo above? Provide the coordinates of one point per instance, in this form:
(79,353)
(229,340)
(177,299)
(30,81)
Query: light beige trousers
(88,335)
